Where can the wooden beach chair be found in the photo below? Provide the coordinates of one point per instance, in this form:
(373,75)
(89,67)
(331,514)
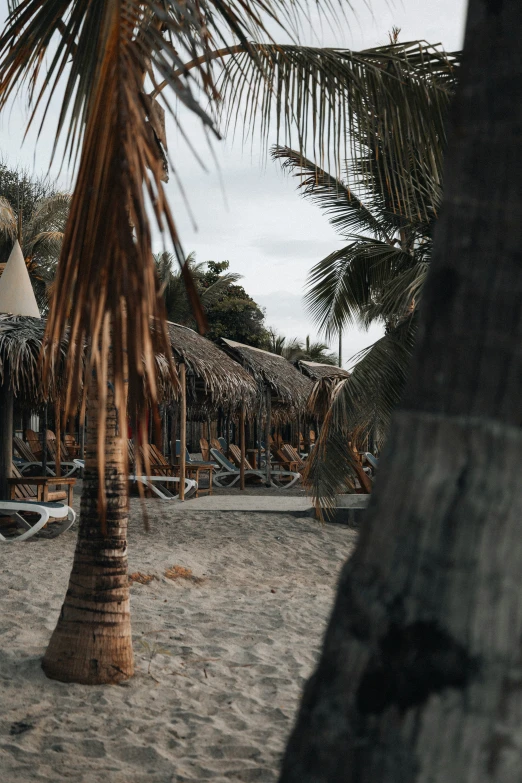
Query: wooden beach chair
(194,468)
(38,487)
(292,454)
(215,444)
(286,462)
(205,449)
(71,446)
(27,460)
(68,467)
(227,470)
(35,444)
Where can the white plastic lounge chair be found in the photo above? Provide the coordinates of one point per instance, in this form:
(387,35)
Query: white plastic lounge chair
(228,470)
(158,484)
(47,511)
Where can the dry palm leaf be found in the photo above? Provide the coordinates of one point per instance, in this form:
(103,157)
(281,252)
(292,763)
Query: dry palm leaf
(102,51)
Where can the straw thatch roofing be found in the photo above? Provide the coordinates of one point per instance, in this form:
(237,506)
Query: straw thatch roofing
(21,340)
(214,380)
(318,372)
(289,388)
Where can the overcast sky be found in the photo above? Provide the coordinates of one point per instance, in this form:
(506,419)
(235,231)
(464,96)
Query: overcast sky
(246,210)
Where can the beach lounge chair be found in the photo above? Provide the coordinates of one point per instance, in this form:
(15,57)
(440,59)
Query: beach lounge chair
(205,449)
(27,461)
(35,444)
(39,487)
(286,462)
(161,486)
(18,510)
(224,445)
(227,470)
(73,448)
(292,454)
(195,467)
(68,468)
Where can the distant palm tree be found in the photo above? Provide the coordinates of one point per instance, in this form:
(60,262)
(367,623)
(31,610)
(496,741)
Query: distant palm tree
(177,303)
(294,349)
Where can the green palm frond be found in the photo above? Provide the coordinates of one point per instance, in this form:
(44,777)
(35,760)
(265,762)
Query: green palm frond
(8,219)
(377,380)
(214,292)
(342,286)
(344,209)
(400,295)
(356,98)
(355,409)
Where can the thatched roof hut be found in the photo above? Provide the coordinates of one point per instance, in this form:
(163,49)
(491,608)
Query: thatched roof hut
(289,388)
(21,340)
(214,380)
(319,372)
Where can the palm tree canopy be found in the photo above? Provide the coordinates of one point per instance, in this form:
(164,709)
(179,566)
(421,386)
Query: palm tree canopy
(177,303)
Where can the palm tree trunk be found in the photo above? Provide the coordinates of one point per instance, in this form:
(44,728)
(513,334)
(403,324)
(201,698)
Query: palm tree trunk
(420,675)
(92,642)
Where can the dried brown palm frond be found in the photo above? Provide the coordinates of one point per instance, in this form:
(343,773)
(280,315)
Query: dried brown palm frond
(101,52)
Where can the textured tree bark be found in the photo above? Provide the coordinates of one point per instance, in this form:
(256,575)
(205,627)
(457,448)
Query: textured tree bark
(92,642)
(420,677)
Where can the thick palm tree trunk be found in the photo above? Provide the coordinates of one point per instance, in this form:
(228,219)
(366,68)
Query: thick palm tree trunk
(92,641)
(420,677)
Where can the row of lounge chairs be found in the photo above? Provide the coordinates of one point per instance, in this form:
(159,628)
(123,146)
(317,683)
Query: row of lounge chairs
(34,493)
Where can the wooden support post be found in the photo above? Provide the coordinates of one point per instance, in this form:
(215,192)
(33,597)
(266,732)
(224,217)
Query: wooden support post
(82,439)
(6,434)
(183,430)
(259,447)
(173,433)
(243,446)
(58,428)
(268,427)
(44,440)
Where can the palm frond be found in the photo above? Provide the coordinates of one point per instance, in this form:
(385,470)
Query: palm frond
(342,286)
(355,98)
(214,292)
(345,211)
(8,219)
(355,409)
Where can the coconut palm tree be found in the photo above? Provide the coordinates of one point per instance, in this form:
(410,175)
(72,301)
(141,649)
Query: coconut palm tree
(177,304)
(294,349)
(40,235)
(377,276)
(102,58)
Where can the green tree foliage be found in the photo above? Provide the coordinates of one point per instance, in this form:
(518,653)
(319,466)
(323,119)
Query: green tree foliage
(35,211)
(294,349)
(379,272)
(230,311)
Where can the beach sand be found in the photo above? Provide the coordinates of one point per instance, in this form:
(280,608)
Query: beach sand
(220,663)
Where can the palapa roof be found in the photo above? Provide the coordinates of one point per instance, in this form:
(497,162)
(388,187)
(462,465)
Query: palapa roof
(21,340)
(289,388)
(318,371)
(213,379)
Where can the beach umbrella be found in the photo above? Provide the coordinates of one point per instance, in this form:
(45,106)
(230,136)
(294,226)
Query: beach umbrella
(17,298)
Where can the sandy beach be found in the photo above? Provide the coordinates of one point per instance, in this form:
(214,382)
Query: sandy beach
(221,656)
